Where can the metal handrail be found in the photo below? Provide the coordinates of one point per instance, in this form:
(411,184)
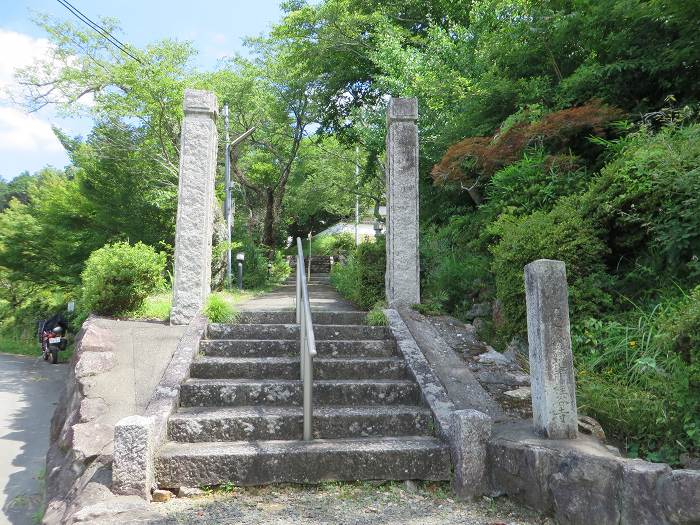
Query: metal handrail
(307,341)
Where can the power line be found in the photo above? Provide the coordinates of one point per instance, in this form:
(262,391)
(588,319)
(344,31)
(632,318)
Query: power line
(99,29)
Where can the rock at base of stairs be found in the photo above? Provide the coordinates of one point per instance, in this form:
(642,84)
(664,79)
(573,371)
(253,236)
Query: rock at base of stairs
(263,462)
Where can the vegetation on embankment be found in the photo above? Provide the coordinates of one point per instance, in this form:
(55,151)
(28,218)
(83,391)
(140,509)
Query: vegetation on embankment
(548,129)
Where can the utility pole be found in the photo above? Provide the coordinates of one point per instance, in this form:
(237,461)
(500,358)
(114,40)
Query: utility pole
(229,205)
(227,200)
(357,196)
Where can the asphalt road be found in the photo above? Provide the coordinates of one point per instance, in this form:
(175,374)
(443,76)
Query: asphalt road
(29,390)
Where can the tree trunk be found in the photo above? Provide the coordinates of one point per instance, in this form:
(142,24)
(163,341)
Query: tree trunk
(270,219)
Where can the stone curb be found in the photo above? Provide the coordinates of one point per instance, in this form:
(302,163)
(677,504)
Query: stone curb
(137,438)
(466,431)
(432,390)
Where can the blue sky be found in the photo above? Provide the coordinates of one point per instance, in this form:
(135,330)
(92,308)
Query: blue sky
(216,27)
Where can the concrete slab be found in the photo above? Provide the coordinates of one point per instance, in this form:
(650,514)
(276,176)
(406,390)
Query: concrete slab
(29,390)
(142,351)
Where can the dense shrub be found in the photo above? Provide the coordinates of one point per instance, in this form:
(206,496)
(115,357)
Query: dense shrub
(118,277)
(361,278)
(646,198)
(455,266)
(534,183)
(562,234)
(256,273)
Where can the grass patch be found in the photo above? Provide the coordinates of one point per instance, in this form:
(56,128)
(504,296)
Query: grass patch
(220,308)
(13,345)
(154,308)
(632,377)
(157,307)
(377,317)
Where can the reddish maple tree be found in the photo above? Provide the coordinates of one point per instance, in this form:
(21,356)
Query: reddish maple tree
(473,160)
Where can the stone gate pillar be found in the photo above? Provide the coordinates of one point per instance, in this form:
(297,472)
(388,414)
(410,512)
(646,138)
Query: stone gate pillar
(195,206)
(402,261)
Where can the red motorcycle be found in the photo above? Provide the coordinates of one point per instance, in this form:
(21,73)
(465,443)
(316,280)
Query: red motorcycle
(52,336)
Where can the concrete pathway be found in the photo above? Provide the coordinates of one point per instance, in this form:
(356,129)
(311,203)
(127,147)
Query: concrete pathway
(324,298)
(29,390)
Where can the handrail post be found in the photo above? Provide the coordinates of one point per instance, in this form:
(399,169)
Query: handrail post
(298,305)
(307,343)
(308,393)
(309,259)
(302,343)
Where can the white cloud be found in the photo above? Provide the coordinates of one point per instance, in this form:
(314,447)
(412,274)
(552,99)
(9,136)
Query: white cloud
(22,132)
(19,50)
(26,139)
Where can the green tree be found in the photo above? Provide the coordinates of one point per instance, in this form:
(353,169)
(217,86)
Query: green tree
(274,95)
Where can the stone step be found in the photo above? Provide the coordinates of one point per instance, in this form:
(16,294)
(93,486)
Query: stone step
(288,347)
(314,287)
(243,392)
(353,318)
(314,275)
(291,331)
(315,281)
(264,462)
(288,368)
(265,423)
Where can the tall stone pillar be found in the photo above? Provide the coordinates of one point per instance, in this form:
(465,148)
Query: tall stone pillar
(551,360)
(402,261)
(195,206)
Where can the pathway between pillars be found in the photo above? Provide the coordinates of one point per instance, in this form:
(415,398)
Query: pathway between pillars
(324,298)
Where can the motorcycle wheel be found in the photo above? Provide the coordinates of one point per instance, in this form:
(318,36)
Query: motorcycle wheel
(54,355)
(45,356)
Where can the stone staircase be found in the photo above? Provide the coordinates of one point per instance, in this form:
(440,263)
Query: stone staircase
(240,415)
(320,264)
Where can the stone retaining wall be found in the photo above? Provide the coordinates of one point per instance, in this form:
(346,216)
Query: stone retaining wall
(582,482)
(138,437)
(79,460)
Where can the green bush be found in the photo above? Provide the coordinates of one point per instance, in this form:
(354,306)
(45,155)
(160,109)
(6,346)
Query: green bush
(562,234)
(335,245)
(361,278)
(219,309)
(256,273)
(646,198)
(118,277)
(280,268)
(534,183)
